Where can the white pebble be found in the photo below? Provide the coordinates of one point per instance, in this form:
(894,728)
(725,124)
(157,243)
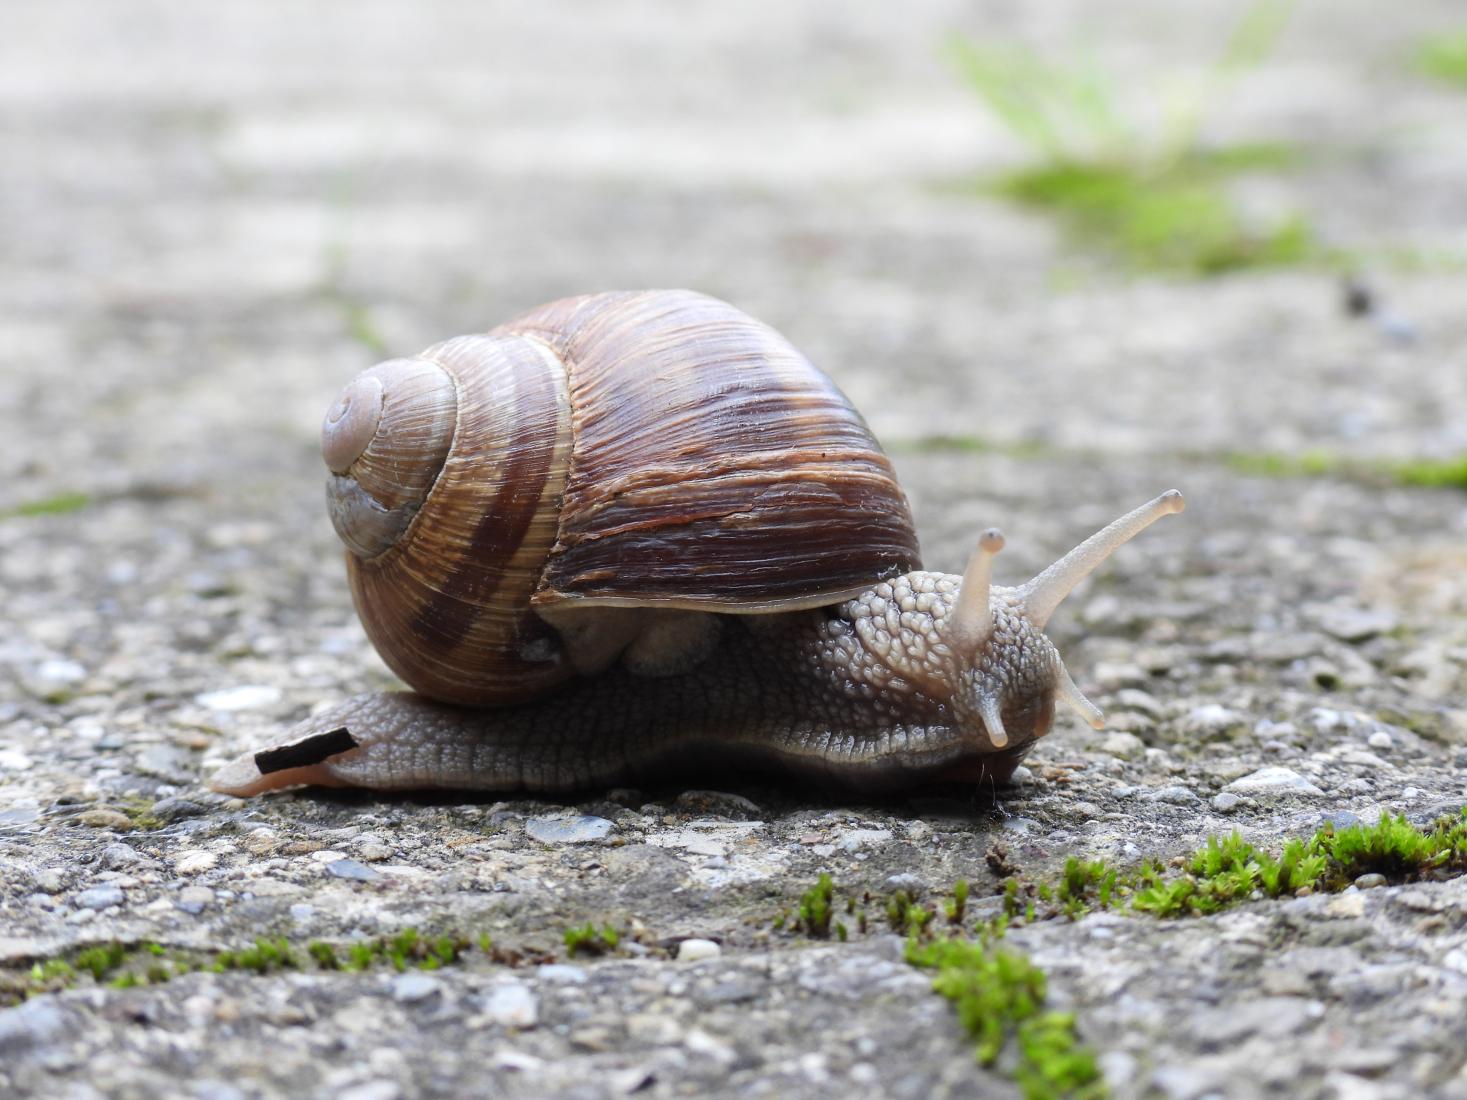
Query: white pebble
(1274,782)
(195,861)
(244,697)
(696,950)
(511,1004)
(1380,739)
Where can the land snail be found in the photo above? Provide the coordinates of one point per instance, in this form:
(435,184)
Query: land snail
(638,534)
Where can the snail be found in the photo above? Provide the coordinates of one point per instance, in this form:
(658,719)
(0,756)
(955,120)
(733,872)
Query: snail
(638,533)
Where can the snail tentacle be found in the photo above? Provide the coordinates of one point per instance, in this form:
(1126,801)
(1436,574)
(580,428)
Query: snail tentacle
(971,622)
(1047,591)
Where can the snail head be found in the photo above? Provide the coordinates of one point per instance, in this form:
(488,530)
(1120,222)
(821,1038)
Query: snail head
(1009,674)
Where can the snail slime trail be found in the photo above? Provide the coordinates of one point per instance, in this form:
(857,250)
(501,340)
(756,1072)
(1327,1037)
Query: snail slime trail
(594,561)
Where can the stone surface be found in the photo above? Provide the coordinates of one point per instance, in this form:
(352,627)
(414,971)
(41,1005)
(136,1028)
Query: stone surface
(213,215)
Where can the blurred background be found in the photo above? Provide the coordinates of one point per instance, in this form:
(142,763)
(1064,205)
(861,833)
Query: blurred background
(1097,246)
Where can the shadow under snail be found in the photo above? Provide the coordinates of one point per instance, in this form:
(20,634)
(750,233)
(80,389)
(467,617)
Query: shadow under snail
(638,533)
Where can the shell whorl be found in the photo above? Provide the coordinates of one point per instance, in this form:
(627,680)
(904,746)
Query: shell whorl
(385,441)
(447,602)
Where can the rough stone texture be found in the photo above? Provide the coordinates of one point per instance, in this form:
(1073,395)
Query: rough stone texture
(213,214)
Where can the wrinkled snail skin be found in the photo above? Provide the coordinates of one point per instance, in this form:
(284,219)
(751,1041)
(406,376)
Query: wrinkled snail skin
(632,536)
(811,696)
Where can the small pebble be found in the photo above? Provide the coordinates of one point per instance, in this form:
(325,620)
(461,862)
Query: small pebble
(517,1060)
(1274,783)
(1175,796)
(105,819)
(194,899)
(174,809)
(718,804)
(697,950)
(244,697)
(352,870)
(31,1024)
(567,830)
(914,885)
(101,897)
(371,1090)
(1126,746)
(1380,739)
(1212,720)
(853,840)
(53,677)
(511,1004)
(1370,881)
(562,974)
(1354,624)
(195,861)
(1226,802)
(117,856)
(412,988)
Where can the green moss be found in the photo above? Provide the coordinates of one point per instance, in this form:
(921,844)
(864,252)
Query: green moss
(1231,870)
(589,940)
(1443,57)
(140,812)
(815,908)
(1155,199)
(101,960)
(1450,473)
(123,966)
(957,905)
(58,505)
(265,957)
(1000,997)
(1178,219)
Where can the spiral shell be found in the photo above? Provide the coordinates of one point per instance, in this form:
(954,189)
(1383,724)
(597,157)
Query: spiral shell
(656,449)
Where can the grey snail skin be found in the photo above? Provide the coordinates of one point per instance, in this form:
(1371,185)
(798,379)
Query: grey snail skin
(638,534)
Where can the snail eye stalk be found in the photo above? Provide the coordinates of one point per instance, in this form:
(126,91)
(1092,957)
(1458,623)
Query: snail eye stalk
(972,620)
(1040,596)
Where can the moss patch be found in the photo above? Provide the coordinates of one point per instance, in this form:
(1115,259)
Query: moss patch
(1450,473)
(1172,218)
(590,940)
(123,966)
(999,996)
(58,505)
(1152,197)
(1443,57)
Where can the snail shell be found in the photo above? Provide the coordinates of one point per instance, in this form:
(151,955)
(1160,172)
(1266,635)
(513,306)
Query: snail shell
(636,450)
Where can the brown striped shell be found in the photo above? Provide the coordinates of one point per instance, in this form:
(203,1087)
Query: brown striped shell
(656,449)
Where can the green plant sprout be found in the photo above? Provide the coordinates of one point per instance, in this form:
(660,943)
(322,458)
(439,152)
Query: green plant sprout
(589,940)
(1156,200)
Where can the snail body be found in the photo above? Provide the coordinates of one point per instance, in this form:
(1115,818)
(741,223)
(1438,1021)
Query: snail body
(633,533)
